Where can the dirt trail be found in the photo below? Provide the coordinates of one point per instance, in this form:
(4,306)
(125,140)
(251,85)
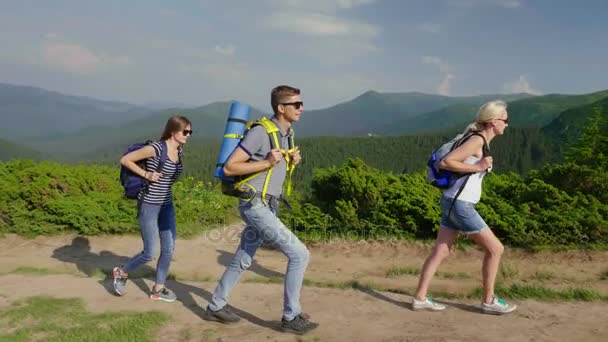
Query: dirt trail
(344,314)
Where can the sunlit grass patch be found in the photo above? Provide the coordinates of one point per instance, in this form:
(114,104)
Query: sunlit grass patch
(517,291)
(53,319)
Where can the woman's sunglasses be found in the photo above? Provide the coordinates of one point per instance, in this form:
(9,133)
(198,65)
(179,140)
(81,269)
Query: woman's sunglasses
(296,105)
(187,132)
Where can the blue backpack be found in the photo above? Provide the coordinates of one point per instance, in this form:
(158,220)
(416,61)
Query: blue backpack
(133,183)
(444,179)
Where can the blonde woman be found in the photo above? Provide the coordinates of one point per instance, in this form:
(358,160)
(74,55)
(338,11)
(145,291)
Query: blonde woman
(458,209)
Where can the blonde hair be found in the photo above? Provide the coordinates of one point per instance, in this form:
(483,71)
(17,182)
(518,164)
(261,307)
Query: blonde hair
(487,112)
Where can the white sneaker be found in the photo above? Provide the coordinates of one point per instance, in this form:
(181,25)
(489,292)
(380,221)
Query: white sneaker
(498,307)
(427,304)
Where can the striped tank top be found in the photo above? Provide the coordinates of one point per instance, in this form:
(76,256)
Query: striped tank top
(159,192)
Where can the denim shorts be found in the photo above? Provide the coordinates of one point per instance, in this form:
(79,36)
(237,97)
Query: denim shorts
(463,217)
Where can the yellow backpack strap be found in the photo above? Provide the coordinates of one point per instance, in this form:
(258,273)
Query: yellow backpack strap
(290,166)
(232,135)
(244,181)
(273,132)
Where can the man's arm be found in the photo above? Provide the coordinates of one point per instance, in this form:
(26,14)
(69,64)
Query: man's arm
(238,164)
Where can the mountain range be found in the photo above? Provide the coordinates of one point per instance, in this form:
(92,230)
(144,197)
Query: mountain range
(67,127)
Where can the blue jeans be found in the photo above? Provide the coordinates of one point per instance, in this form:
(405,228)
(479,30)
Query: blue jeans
(155,221)
(262,224)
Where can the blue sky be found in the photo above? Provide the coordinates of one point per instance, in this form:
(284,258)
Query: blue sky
(197,52)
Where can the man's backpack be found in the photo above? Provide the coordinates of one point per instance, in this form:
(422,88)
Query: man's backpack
(238,186)
(133,183)
(445,179)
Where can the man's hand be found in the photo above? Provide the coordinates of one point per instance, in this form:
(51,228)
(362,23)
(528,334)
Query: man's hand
(296,157)
(274,157)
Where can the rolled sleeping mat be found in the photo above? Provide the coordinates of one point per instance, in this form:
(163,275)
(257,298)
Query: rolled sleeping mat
(235,129)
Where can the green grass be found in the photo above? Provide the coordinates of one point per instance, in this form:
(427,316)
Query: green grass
(407,270)
(507,272)
(34,271)
(541,293)
(52,319)
(543,276)
(399,271)
(514,291)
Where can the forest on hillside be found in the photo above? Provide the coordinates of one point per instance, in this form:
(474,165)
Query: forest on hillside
(562,203)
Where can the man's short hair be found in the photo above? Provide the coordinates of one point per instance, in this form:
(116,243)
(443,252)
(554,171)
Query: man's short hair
(279,93)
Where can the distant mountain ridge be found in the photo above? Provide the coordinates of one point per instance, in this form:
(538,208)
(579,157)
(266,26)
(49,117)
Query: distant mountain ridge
(73,127)
(208,124)
(35,113)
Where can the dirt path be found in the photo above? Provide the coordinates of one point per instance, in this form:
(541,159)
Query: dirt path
(344,314)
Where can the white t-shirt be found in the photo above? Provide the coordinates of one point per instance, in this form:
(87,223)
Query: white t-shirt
(472,190)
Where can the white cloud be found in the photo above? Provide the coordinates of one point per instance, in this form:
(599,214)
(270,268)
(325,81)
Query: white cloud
(324,6)
(216,71)
(443,67)
(512,4)
(317,24)
(219,64)
(444,87)
(225,50)
(521,85)
(327,34)
(429,28)
(77,58)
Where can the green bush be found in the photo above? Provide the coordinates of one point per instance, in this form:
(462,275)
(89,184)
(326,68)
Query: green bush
(366,203)
(46,198)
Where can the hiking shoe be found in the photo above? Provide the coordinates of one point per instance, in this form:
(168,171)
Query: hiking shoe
(498,307)
(119,282)
(163,295)
(427,304)
(299,325)
(223,315)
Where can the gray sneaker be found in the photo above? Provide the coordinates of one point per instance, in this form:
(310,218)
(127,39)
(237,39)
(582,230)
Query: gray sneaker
(163,295)
(120,281)
(498,307)
(427,304)
(223,315)
(299,325)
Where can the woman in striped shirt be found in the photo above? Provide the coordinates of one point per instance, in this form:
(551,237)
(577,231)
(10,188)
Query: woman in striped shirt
(156,213)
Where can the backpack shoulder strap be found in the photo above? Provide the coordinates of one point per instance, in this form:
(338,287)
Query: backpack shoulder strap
(485,150)
(272,129)
(163,155)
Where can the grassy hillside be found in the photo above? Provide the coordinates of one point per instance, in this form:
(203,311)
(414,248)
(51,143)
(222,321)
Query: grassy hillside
(535,111)
(381,113)
(10,150)
(568,125)
(540,111)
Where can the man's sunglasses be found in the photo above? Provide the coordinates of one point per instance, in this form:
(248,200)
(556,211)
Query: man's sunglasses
(296,105)
(187,132)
